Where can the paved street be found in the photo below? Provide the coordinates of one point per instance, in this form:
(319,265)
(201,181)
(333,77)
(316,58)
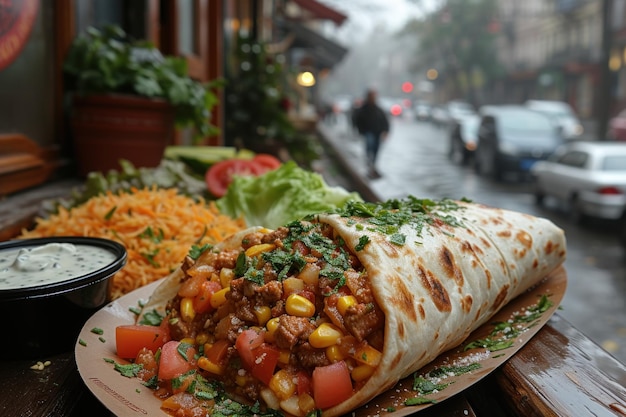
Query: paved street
(413,161)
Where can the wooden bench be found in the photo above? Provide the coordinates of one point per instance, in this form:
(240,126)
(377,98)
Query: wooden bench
(560,372)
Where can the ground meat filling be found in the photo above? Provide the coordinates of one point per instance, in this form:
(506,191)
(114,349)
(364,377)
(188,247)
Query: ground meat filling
(286,283)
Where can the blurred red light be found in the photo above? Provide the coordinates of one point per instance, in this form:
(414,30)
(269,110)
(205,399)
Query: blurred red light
(609,191)
(396,110)
(407,87)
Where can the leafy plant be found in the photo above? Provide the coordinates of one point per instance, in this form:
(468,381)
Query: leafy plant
(108,61)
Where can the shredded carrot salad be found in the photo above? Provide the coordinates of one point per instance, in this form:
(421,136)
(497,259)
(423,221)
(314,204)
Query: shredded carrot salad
(157,227)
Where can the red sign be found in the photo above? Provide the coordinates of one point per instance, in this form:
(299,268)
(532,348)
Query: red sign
(16,22)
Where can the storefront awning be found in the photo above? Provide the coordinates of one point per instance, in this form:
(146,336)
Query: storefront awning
(321,11)
(325,52)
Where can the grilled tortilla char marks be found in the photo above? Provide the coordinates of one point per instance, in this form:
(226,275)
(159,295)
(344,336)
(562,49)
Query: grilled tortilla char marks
(438,294)
(450,267)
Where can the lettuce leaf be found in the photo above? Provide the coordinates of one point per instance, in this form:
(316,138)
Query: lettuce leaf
(282,196)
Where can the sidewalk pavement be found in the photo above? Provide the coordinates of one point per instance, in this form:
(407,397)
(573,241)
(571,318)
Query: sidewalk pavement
(348,151)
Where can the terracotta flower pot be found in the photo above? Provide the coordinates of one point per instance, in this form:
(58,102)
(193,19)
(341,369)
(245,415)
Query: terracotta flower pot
(107,128)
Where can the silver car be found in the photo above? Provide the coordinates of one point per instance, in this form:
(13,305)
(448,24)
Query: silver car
(561,114)
(590,177)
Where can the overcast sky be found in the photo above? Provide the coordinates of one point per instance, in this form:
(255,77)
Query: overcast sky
(364,16)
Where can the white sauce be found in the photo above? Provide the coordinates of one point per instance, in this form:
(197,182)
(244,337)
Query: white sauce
(49,264)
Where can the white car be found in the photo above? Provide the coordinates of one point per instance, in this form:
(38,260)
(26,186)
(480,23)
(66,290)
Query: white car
(590,177)
(561,114)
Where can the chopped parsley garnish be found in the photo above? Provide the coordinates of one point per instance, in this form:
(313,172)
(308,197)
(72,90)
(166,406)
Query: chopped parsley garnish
(195,251)
(363,240)
(183,348)
(82,342)
(97,330)
(419,401)
(130,370)
(152,318)
(453,370)
(388,217)
(150,235)
(110,213)
(149,256)
(491,345)
(425,386)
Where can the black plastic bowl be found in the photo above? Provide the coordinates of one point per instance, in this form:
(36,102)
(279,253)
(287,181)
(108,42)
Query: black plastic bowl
(43,320)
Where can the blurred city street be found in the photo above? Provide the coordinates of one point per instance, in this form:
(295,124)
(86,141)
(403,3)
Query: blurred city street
(413,160)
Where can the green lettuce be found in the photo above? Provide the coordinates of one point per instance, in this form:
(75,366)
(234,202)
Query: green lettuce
(281,196)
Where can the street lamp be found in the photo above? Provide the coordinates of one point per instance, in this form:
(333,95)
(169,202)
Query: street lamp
(306,79)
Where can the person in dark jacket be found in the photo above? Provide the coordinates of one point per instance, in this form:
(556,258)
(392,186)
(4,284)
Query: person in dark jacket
(371,122)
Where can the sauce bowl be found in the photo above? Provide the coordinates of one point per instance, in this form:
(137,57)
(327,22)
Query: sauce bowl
(43,314)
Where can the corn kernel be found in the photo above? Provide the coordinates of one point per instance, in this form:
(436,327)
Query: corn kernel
(367,354)
(362,372)
(334,354)
(263,314)
(206,364)
(226,275)
(306,403)
(299,306)
(324,336)
(259,249)
(187,312)
(271,326)
(282,384)
(344,302)
(201,339)
(188,340)
(241,380)
(218,298)
(284,356)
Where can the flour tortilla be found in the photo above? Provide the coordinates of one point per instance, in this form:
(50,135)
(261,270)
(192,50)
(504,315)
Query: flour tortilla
(446,280)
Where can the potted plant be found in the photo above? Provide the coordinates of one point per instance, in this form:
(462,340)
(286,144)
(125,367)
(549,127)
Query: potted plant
(127,98)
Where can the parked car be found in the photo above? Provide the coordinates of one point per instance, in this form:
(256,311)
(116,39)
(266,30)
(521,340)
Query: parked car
(617,127)
(589,177)
(463,139)
(561,114)
(422,111)
(439,116)
(511,138)
(458,109)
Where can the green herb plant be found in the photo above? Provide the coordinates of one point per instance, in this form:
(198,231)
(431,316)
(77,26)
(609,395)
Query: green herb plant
(108,61)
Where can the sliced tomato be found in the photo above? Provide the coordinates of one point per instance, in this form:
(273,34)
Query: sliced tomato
(219,176)
(217,352)
(304,383)
(265,361)
(247,341)
(331,384)
(267,161)
(202,301)
(172,362)
(131,338)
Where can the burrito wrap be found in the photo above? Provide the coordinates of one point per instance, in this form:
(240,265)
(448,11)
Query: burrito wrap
(445,282)
(448,278)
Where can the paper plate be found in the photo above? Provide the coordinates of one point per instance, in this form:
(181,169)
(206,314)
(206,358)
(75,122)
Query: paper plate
(127,396)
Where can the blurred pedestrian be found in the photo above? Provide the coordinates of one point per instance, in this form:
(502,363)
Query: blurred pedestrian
(371,122)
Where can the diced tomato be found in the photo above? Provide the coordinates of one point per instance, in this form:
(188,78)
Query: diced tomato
(265,361)
(309,295)
(217,352)
(331,384)
(304,383)
(267,161)
(191,287)
(219,176)
(172,362)
(247,341)
(131,338)
(202,301)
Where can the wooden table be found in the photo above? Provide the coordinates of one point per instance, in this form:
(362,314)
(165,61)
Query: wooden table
(560,372)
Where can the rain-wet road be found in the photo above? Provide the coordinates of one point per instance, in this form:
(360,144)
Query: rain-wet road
(414,161)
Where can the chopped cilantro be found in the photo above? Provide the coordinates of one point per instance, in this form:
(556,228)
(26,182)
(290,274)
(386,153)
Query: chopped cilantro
(149,256)
(489,344)
(454,370)
(109,213)
(363,240)
(195,251)
(183,348)
(419,401)
(425,386)
(149,234)
(398,239)
(130,370)
(152,318)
